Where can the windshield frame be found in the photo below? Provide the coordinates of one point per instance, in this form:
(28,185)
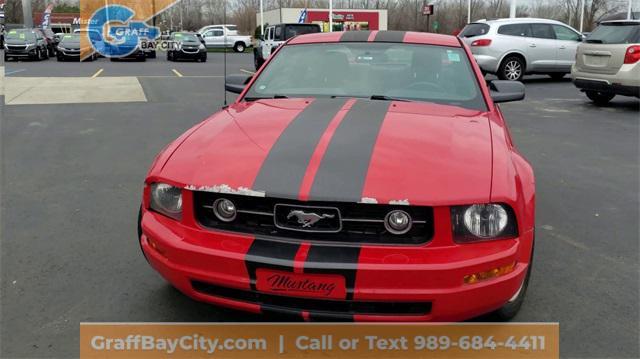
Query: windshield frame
(481,101)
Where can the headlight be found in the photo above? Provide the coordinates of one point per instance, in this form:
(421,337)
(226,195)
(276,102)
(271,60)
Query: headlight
(201,47)
(61,48)
(30,46)
(167,200)
(483,221)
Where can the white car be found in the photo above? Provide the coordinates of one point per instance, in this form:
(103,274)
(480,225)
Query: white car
(221,37)
(511,48)
(232,29)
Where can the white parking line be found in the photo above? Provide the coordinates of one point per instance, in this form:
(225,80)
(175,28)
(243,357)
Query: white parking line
(247,72)
(177,73)
(97,73)
(14,72)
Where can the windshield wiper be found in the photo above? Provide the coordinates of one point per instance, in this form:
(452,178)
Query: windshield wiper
(387,98)
(255,98)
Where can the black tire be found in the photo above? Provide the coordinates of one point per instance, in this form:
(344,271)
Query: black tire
(257,62)
(170,56)
(6,58)
(512,69)
(239,47)
(557,75)
(60,58)
(38,54)
(600,98)
(512,307)
(152,55)
(203,58)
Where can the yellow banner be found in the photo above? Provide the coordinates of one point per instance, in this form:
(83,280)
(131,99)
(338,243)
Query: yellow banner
(319,340)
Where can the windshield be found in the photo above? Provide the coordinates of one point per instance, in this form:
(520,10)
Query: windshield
(616,33)
(70,39)
(185,37)
(21,35)
(401,71)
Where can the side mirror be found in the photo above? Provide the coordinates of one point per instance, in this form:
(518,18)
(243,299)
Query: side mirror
(236,83)
(506,91)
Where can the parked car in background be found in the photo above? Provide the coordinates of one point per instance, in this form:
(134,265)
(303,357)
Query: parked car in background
(224,38)
(25,44)
(608,62)
(69,49)
(50,39)
(189,47)
(511,48)
(275,36)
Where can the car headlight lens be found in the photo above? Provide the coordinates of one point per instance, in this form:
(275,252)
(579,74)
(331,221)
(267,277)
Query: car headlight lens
(398,222)
(225,210)
(166,199)
(201,47)
(61,48)
(483,221)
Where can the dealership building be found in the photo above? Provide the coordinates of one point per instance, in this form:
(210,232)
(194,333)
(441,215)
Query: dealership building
(343,19)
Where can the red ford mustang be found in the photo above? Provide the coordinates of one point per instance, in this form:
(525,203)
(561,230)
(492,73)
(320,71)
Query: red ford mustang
(358,176)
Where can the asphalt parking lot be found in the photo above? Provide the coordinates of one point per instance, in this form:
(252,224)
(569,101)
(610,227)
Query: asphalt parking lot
(72,180)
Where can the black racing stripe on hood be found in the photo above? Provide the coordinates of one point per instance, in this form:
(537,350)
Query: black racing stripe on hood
(390,36)
(355,36)
(344,167)
(283,170)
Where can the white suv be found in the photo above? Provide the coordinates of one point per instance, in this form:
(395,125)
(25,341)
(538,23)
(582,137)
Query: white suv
(511,48)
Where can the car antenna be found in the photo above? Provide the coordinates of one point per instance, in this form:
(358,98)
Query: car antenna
(224,48)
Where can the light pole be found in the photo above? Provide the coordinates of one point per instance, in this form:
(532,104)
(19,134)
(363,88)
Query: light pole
(629,11)
(582,14)
(261,19)
(27,15)
(512,10)
(469,12)
(330,15)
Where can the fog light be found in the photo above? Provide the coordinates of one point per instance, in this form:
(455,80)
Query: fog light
(398,222)
(493,273)
(224,209)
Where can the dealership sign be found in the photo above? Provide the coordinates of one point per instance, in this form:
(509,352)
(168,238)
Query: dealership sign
(119,28)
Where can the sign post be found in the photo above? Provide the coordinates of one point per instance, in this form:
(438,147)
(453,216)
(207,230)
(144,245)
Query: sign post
(427,10)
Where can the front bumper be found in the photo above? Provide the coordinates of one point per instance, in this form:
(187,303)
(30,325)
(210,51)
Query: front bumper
(424,283)
(190,55)
(20,53)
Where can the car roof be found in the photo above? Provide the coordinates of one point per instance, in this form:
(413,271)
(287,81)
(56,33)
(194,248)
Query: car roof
(518,20)
(408,37)
(634,21)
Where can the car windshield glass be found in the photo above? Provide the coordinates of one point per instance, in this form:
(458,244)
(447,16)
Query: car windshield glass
(384,70)
(21,35)
(472,30)
(616,33)
(70,39)
(186,37)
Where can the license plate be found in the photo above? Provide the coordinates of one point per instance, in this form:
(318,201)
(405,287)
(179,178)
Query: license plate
(301,285)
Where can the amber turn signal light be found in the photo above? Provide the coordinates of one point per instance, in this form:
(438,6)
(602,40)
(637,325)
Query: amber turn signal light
(493,273)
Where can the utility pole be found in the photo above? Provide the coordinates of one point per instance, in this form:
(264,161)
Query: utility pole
(629,11)
(261,19)
(330,15)
(469,12)
(27,14)
(582,14)
(512,10)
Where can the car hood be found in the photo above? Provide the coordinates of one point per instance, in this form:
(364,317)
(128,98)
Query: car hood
(340,150)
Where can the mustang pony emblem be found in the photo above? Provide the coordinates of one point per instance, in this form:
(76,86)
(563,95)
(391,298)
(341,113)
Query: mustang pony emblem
(308,219)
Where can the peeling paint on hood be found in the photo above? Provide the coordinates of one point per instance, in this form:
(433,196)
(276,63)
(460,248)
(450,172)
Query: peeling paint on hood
(369,200)
(224,188)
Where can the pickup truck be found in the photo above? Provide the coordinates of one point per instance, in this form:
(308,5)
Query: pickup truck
(276,35)
(215,38)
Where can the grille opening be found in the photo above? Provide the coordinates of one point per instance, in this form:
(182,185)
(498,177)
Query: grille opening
(332,308)
(361,223)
